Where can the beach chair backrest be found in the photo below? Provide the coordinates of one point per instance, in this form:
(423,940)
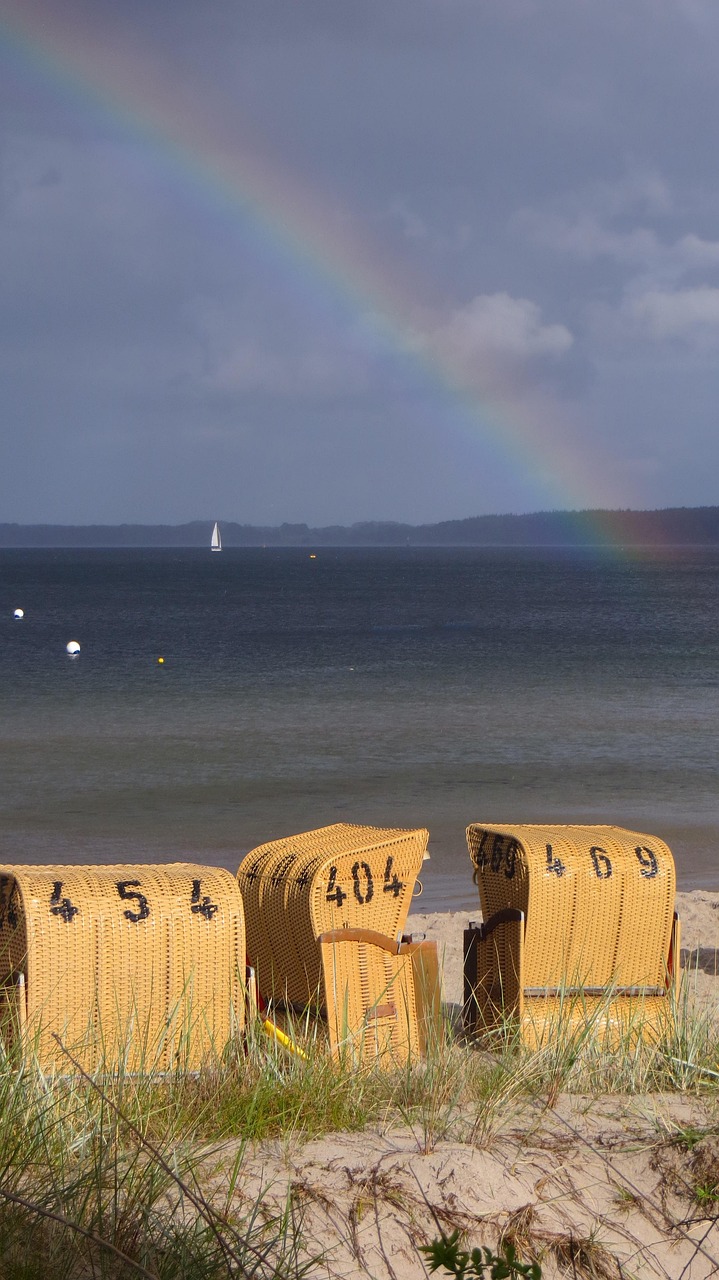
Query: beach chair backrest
(137,964)
(598,901)
(341,876)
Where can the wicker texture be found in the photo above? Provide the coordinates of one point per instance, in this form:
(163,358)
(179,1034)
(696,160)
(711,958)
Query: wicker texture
(598,908)
(142,964)
(427,985)
(382,997)
(342,876)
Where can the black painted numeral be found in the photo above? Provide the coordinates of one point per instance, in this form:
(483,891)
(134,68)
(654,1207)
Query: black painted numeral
(503,853)
(335,892)
(395,885)
(369,883)
(278,876)
(602,863)
(555,865)
(8,909)
(647,862)
(129,890)
(497,852)
(481,860)
(60,906)
(201,905)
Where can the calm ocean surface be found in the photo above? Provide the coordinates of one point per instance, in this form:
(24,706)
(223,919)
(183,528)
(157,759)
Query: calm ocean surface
(396,687)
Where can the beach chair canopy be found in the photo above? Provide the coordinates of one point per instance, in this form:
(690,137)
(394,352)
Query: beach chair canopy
(341,876)
(142,965)
(568,910)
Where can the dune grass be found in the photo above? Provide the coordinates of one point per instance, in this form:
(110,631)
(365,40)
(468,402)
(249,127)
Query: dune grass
(116,1176)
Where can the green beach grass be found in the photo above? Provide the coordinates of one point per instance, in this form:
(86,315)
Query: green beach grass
(115,1176)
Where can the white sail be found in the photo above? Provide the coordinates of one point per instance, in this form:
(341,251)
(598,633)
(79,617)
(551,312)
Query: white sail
(216,543)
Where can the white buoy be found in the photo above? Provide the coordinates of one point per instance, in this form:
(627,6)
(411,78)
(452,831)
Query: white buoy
(73,648)
(19,613)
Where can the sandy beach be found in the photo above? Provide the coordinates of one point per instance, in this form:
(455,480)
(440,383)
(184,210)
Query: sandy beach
(598,1186)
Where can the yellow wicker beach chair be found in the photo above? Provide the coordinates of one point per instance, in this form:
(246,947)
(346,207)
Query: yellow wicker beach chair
(140,965)
(579,927)
(382,997)
(336,877)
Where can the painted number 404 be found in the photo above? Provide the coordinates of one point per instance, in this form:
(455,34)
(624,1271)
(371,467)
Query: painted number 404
(363,885)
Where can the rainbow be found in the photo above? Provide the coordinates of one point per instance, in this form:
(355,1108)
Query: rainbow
(100,69)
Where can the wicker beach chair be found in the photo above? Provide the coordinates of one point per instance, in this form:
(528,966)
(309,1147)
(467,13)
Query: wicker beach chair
(337,877)
(579,928)
(382,997)
(139,965)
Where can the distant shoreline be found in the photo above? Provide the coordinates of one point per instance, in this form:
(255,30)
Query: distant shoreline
(690,527)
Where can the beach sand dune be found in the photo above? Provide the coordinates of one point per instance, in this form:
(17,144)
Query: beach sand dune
(594,1188)
(597,1186)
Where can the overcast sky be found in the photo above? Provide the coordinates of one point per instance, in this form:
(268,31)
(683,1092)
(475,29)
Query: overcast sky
(335,260)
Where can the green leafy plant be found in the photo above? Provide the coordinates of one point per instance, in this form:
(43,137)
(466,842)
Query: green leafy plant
(706,1194)
(688,1137)
(446,1252)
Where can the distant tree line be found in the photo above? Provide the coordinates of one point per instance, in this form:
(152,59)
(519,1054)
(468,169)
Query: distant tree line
(671,526)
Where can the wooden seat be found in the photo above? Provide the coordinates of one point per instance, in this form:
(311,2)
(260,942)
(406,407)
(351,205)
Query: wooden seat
(382,998)
(579,927)
(341,876)
(135,965)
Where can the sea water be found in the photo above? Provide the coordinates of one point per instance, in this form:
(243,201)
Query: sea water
(398,687)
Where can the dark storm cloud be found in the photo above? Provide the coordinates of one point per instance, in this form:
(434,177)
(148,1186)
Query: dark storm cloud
(540,175)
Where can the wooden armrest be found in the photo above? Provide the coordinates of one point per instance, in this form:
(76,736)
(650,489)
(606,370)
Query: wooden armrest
(361,935)
(499,917)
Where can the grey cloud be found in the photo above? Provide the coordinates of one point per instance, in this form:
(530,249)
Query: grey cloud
(638,247)
(690,314)
(494,338)
(698,252)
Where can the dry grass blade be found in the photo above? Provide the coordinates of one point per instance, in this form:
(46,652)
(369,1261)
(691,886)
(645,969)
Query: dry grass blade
(698,1245)
(75,1226)
(219,1226)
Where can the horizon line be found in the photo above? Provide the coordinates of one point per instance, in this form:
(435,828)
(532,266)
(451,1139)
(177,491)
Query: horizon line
(303,524)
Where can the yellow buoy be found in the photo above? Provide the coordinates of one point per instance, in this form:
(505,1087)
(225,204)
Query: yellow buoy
(160,660)
(312,555)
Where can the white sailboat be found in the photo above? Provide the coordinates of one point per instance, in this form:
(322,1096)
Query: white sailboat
(216,540)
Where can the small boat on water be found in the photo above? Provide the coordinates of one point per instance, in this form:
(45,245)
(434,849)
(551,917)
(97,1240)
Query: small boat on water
(216,540)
